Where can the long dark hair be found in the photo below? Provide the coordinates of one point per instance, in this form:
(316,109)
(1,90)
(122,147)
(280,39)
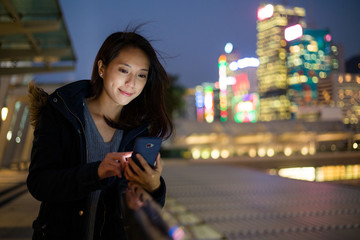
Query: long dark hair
(149,106)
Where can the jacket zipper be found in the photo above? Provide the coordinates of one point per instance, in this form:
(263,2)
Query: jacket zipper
(82,127)
(83,130)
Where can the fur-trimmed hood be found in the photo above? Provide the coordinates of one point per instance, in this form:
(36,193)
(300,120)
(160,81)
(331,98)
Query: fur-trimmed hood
(38,99)
(71,95)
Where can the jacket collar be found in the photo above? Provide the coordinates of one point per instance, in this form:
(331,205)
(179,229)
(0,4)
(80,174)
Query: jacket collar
(69,99)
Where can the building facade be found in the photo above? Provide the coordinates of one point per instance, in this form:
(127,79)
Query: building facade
(348,97)
(272,53)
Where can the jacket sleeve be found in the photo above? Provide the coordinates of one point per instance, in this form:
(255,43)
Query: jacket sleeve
(160,194)
(56,173)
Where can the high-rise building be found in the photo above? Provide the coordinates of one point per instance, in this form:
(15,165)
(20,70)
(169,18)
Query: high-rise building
(309,63)
(272,53)
(327,87)
(347,97)
(353,65)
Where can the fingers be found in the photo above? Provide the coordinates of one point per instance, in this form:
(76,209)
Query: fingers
(132,169)
(158,166)
(143,162)
(113,164)
(131,174)
(148,179)
(119,156)
(109,168)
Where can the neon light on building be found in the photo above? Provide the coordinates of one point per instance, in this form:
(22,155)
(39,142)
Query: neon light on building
(242,84)
(223,86)
(328,37)
(209,104)
(199,103)
(222,72)
(293,32)
(265,12)
(244,63)
(233,81)
(246,108)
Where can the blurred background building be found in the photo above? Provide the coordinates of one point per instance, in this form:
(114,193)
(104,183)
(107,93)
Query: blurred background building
(297,97)
(272,51)
(33,39)
(294,99)
(292,110)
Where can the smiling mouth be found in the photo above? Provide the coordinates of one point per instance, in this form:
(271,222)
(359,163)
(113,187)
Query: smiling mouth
(125,93)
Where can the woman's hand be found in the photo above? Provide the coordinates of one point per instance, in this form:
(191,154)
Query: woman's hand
(113,164)
(149,178)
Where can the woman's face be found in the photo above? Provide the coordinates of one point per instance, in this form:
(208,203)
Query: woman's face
(125,76)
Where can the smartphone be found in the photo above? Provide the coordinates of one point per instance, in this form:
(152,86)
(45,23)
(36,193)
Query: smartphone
(148,147)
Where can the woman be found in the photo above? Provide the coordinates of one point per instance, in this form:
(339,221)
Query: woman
(83,138)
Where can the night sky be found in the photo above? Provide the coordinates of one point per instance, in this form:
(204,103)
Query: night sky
(191,34)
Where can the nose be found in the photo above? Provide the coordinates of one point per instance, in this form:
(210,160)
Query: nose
(130,80)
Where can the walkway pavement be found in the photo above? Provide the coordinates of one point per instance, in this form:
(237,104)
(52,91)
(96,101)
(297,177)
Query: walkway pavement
(17,207)
(222,201)
(219,201)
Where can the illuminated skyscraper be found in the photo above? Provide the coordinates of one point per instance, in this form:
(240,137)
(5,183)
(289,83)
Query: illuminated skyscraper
(326,87)
(347,97)
(272,53)
(310,63)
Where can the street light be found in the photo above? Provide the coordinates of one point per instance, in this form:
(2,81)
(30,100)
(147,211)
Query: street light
(4,113)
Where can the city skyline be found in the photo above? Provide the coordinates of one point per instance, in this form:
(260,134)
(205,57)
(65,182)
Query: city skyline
(191,36)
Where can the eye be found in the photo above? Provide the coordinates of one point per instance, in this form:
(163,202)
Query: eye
(123,70)
(143,76)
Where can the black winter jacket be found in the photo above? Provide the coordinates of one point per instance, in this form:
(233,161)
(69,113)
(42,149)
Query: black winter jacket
(59,175)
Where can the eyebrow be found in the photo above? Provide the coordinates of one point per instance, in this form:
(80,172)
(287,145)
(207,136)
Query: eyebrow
(125,64)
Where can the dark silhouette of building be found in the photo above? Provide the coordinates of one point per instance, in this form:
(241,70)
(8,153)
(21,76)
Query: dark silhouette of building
(353,64)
